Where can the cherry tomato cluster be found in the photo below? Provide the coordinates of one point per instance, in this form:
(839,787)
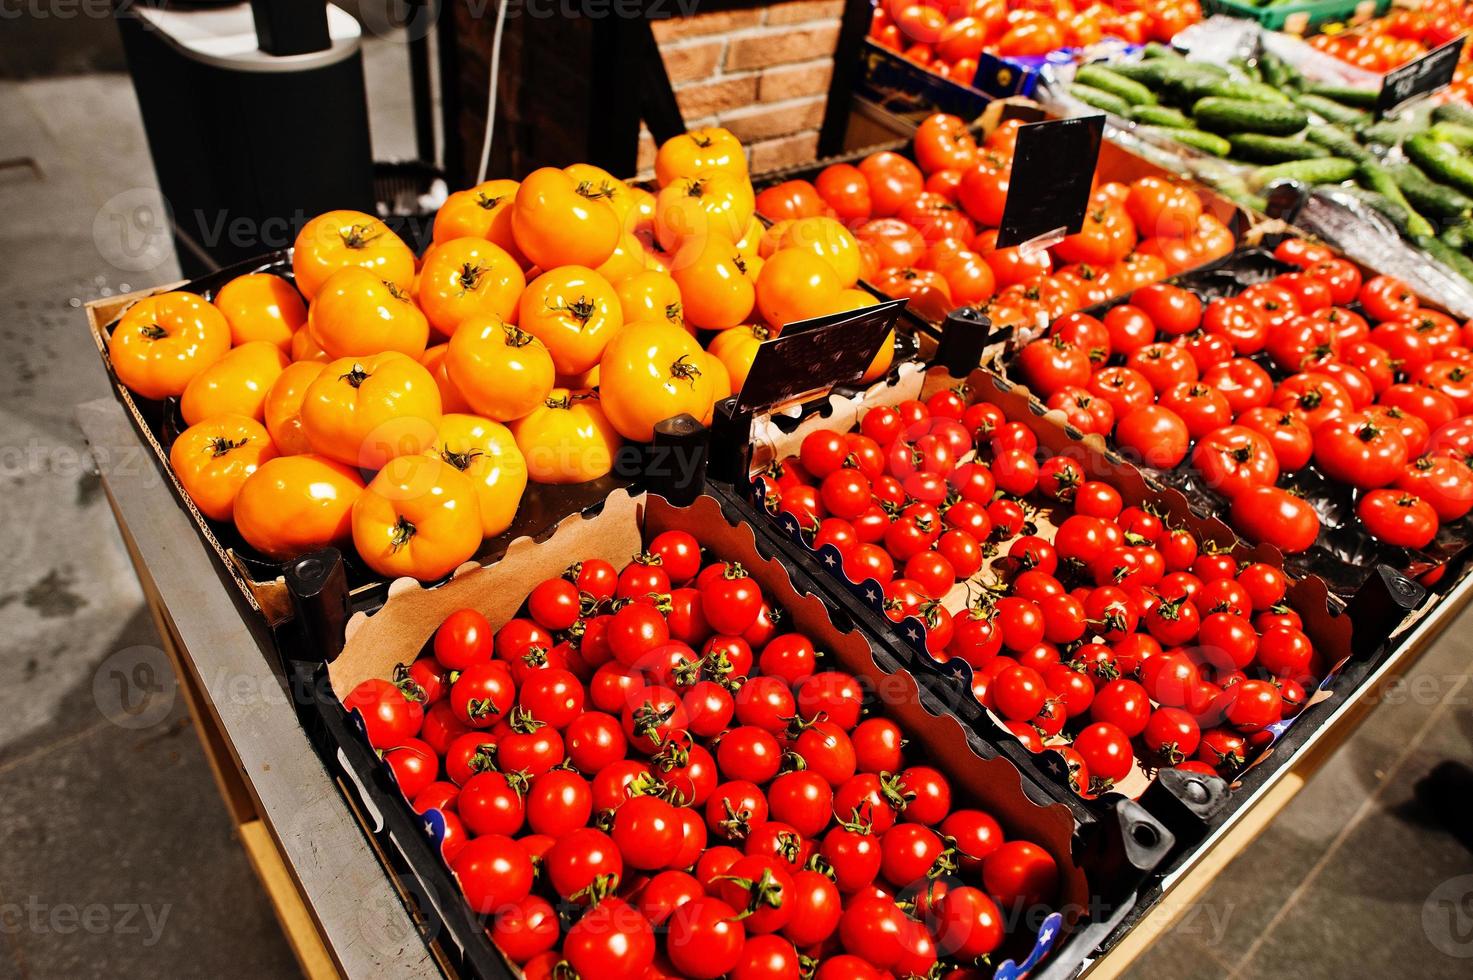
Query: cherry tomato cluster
(928,228)
(1403,35)
(1290,371)
(948,36)
(644,770)
(1115,638)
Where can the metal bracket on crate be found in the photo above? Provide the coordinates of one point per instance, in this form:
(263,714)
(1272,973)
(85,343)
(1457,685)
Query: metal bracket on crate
(730,444)
(318,583)
(964,336)
(1186,802)
(1381,604)
(676,460)
(1128,844)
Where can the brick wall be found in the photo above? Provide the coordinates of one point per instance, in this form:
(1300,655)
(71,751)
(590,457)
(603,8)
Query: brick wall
(761,72)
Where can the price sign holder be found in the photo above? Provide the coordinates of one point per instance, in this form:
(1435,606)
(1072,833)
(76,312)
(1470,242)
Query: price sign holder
(1052,175)
(1433,71)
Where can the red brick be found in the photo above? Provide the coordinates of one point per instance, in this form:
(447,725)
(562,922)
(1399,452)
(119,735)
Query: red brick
(781,47)
(690,62)
(766,121)
(715,22)
(791,83)
(645,162)
(786,151)
(803,11)
(719,96)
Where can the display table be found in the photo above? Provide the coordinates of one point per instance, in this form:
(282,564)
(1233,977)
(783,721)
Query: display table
(341,914)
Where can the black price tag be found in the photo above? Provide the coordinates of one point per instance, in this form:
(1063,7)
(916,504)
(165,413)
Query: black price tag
(814,355)
(1053,171)
(1432,71)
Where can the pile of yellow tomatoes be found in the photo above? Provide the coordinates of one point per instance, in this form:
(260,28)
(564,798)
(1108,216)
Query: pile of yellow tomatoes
(403,403)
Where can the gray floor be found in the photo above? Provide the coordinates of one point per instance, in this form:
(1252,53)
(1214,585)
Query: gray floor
(116,857)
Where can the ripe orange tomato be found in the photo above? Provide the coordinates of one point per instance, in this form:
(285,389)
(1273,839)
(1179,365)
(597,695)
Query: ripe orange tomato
(235,384)
(559,221)
(305,348)
(698,151)
(503,371)
(283,408)
(464,277)
(650,372)
(574,311)
(163,341)
(736,348)
(715,281)
(451,400)
(338,239)
(892,181)
(720,380)
(830,241)
(844,188)
(627,259)
(714,203)
(1161,207)
(894,242)
(357,313)
(791,199)
(596,181)
(567,439)
(260,306)
(486,452)
(295,504)
(943,142)
(213,458)
(484,211)
(417,518)
(365,411)
(650,295)
(795,285)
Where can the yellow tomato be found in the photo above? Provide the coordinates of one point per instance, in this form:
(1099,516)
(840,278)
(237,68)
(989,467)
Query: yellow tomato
(338,239)
(295,504)
(591,181)
(574,311)
(716,284)
(771,239)
(736,348)
(640,219)
(688,154)
(484,211)
(213,458)
(710,203)
(795,285)
(283,407)
(830,241)
(882,360)
(720,382)
(567,439)
(652,371)
(468,276)
(451,400)
(163,341)
(356,313)
(486,452)
(260,306)
(627,260)
(365,411)
(503,371)
(749,246)
(651,295)
(558,221)
(853,299)
(304,347)
(235,384)
(417,518)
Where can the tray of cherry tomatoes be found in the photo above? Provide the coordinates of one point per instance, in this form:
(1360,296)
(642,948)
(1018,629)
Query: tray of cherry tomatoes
(644,743)
(1323,408)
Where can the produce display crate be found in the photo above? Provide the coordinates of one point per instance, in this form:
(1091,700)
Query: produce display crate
(1105,857)
(1297,17)
(912,91)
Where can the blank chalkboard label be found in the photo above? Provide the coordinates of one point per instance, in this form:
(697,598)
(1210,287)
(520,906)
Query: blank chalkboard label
(811,356)
(1053,172)
(1432,71)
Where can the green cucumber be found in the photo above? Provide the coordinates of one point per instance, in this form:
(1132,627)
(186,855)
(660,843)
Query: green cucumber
(1457,236)
(1330,110)
(1444,165)
(1155,49)
(1219,115)
(1454,134)
(1326,170)
(1246,68)
(1428,196)
(1258,148)
(1450,257)
(1359,98)
(1373,176)
(1159,115)
(1340,143)
(1454,112)
(1100,99)
(1102,78)
(1278,72)
(1146,72)
(1195,138)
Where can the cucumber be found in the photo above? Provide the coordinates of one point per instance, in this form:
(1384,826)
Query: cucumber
(1330,110)
(1246,68)
(1428,196)
(1452,258)
(1440,163)
(1155,49)
(1218,115)
(1201,87)
(1278,72)
(1390,210)
(1389,133)
(1453,134)
(1146,72)
(1454,112)
(1258,148)
(1195,138)
(1373,176)
(1327,170)
(1340,143)
(1456,236)
(1159,115)
(1100,99)
(1359,98)
(1102,78)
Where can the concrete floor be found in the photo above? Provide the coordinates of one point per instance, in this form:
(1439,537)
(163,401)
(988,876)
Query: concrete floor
(118,858)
